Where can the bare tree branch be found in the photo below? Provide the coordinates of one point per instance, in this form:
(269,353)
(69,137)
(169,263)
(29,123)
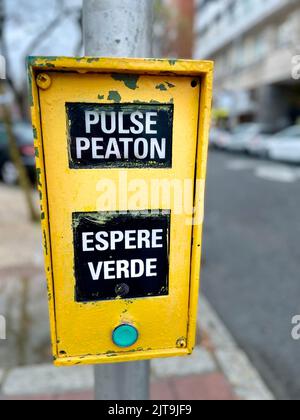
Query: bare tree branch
(12,141)
(47,30)
(63,13)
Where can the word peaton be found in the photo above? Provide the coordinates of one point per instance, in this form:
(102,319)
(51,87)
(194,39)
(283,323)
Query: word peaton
(103,135)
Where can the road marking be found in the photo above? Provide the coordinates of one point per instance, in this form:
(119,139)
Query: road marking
(240,165)
(277,173)
(267,171)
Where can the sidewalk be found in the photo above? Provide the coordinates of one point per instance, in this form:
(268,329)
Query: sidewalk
(218,370)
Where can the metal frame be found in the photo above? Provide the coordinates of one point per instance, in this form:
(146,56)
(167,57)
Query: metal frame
(199,69)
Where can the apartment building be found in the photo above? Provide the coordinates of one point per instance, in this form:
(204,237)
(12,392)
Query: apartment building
(254,44)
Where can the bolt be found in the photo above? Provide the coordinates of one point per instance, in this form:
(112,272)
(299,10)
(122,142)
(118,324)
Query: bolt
(122,290)
(181,343)
(44,81)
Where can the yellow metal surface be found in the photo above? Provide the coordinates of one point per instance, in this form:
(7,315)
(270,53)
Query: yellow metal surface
(82,333)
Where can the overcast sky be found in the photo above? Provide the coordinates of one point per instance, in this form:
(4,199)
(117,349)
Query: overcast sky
(26,19)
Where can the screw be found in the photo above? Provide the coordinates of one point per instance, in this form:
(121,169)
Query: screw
(122,290)
(44,81)
(181,343)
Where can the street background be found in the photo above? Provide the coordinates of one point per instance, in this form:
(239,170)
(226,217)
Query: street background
(250,273)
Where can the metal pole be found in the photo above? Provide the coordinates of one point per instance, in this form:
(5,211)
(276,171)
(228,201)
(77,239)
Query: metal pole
(119,28)
(122,382)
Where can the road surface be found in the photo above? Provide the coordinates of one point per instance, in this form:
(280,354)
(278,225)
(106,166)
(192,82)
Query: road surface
(251,261)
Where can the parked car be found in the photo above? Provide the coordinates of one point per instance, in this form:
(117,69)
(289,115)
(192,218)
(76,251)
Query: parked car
(243,135)
(24,137)
(257,146)
(219,138)
(283,146)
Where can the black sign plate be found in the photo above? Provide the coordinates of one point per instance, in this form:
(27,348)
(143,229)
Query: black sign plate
(121,256)
(120,135)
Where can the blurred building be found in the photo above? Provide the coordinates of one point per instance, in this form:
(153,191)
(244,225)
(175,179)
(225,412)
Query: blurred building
(175,28)
(183,40)
(253,43)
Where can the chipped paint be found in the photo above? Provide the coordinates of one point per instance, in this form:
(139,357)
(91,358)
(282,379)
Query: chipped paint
(165,86)
(129,80)
(38,175)
(93,60)
(161,87)
(111,354)
(30,77)
(50,65)
(114,96)
(170,85)
(45,242)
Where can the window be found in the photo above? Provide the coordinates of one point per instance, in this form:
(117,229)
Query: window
(290,133)
(285,32)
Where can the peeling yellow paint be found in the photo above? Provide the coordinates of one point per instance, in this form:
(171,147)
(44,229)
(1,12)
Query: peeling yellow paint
(84,331)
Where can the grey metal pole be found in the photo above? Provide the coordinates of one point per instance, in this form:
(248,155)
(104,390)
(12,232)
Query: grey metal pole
(122,382)
(119,28)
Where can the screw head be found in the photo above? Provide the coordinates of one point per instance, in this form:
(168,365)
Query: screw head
(122,290)
(44,81)
(181,343)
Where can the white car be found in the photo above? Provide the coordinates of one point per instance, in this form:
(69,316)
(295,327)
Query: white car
(219,138)
(284,146)
(257,146)
(243,135)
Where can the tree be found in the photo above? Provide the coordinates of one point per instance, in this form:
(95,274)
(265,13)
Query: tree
(174,32)
(32,43)
(15,17)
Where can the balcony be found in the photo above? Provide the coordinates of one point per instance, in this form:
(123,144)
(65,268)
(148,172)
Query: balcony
(225,34)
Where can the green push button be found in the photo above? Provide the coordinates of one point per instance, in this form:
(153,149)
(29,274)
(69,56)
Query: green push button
(125,336)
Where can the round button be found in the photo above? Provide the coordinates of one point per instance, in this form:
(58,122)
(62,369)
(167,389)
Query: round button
(125,336)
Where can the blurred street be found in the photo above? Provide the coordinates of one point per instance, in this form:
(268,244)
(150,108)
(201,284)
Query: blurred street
(251,261)
(23,290)
(25,370)
(250,268)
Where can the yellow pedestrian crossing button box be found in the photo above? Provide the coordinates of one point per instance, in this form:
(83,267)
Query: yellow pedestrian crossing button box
(121,150)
